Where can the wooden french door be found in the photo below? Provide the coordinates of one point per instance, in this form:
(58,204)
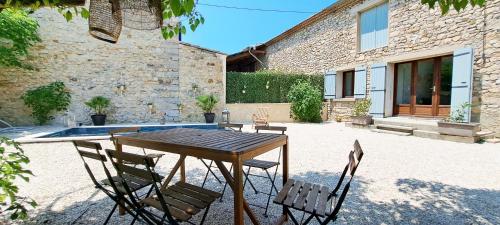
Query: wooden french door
(423,87)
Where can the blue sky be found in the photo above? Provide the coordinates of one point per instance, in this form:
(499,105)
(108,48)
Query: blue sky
(231,30)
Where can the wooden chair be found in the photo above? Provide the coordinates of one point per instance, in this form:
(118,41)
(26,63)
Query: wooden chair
(210,165)
(261,117)
(126,130)
(264,165)
(117,192)
(314,198)
(177,203)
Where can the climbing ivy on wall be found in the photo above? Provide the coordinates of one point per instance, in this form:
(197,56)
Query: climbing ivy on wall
(265,86)
(18,32)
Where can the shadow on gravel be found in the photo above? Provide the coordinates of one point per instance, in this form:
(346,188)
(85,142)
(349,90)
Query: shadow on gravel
(424,202)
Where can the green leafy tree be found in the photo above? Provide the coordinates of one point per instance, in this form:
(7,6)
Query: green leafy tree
(12,163)
(458,5)
(306,102)
(46,100)
(98,104)
(171,9)
(207,102)
(18,32)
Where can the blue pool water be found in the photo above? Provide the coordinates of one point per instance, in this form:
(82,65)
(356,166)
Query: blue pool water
(102,131)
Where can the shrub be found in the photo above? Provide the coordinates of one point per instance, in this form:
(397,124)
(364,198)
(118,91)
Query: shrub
(98,104)
(458,115)
(46,100)
(264,86)
(361,107)
(207,102)
(306,102)
(12,162)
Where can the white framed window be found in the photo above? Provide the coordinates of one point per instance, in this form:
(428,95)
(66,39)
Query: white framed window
(373,24)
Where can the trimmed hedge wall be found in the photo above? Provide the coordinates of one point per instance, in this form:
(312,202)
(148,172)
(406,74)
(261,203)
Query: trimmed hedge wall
(264,86)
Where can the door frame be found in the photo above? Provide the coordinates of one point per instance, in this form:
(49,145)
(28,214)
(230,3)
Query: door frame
(436,110)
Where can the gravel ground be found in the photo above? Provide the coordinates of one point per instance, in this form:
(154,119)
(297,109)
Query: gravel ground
(401,180)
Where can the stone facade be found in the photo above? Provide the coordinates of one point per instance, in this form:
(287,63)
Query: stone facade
(415,32)
(144,75)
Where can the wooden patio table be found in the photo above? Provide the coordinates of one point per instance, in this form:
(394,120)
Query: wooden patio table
(218,145)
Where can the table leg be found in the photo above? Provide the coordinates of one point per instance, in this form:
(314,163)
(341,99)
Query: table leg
(183,170)
(121,210)
(285,175)
(231,183)
(238,192)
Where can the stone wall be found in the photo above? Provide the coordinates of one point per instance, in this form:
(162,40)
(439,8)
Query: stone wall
(149,68)
(414,29)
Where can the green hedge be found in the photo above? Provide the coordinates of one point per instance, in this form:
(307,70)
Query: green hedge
(264,86)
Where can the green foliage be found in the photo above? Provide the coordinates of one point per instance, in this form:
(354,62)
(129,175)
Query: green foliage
(361,107)
(458,115)
(46,100)
(207,102)
(264,86)
(458,5)
(185,9)
(12,162)
(98,104)
(18,32)
(306,102)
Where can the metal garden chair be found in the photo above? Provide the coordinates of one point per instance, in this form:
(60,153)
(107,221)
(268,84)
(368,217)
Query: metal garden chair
(265,166)
(314,199)
(112,185)
(175,203)
(210,165)
(126,130)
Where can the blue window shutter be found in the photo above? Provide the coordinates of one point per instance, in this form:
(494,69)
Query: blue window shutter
(330,77)
(461,83)
(377,91)
(360,82)
(367,23)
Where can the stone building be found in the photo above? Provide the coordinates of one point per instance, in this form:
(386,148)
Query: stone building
(144,75)
(409,59)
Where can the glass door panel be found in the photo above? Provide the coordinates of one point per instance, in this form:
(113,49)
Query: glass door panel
(445,82)
(424,82)
(403,95)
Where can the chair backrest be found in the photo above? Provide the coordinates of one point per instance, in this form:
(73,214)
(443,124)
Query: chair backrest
(231,126)
(90,150)
(270,128)
(147,173)
(123,130)
(355,157)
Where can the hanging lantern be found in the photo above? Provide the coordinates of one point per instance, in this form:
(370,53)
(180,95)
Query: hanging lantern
(142,14)
(226,116)
(105,21)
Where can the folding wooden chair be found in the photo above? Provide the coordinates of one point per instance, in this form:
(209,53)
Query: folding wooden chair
(314,199)
(126,130)
(265,166)
(117,192)
(210,165)
(177,203)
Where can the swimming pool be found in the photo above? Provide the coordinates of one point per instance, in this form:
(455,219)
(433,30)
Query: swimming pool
(103,131)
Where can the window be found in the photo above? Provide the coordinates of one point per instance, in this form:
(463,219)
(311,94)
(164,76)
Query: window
(373,27)
(348,84)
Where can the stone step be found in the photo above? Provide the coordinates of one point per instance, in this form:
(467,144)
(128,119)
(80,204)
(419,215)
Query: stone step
(428,125)
(402,129)
(427,134)
(390,132)
(486,134)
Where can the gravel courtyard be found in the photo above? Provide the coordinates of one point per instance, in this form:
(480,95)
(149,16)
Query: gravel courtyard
(401,180)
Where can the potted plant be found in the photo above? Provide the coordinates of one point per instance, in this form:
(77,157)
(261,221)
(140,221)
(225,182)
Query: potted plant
(360,112)
(98,104)
(207,104)
(455,123)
